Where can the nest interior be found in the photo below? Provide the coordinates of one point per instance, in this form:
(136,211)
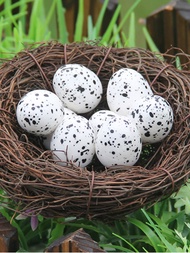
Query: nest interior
(36,184)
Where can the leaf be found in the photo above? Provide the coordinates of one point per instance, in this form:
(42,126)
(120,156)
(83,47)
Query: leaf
(57,231)
(163,240)
(150,234)
(34,222)
(121,238)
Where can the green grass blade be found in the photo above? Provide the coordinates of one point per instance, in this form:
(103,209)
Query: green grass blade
(91,29)
(123,239)
(126,16)
(35,19)
(23,9)
(62,28)
(10,16)
(18,37)
(149,233)
(107,34)
(149,40)
(51,11)
(100,18)
(79,22)
(7,15)
(169,246)
(9,6)
(124,39)
(117,38)
(178,63)
(131,41)
(107,248)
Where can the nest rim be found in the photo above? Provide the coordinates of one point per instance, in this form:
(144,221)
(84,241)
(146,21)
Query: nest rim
(28,173)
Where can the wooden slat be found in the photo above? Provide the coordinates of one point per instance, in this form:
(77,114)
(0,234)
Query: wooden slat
(170,26)
(78,241)
(8,236)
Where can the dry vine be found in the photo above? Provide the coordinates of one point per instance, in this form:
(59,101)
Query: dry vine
(34,182)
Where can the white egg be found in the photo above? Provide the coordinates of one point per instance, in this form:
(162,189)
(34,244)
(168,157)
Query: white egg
(99,117)
(69,112)
(39,112)
(118,142)
(46,139)
(78,87)
(154,118)
(73,141)
(125,87)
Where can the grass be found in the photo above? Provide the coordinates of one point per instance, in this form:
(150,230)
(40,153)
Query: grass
(163,227)
(19,37)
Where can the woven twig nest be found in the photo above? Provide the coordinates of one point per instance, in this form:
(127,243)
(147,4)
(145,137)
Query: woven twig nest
(37,184)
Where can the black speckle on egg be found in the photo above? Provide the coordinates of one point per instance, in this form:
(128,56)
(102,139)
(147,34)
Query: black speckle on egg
(147,134)
(109,143)
(124,94)
(140,118)
(27,120)
(136,150)
(80,88)
(133,114)
(151,114)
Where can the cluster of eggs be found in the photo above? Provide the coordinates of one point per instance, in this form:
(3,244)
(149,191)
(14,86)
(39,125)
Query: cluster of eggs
(115,136)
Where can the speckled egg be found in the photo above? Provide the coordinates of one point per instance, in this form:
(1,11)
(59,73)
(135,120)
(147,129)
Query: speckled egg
(99,117)
(78,87)
(73,142)
(39,112)
(46,139)
(154,118)
(124,88)
(118,142)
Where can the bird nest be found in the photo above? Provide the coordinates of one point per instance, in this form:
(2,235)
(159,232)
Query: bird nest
(36,184)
